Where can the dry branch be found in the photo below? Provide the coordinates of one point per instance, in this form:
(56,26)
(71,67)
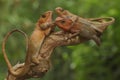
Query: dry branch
(54,40)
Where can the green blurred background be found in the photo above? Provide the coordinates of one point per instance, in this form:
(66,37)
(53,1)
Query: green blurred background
(80,62)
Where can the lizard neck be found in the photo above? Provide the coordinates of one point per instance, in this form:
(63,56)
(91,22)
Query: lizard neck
(36,37)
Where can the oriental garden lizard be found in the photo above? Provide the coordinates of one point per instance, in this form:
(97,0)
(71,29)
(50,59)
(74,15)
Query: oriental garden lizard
(99,24)
(88,28)
(43,28)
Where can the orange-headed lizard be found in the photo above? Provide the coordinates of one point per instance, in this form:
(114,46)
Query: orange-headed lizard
(99,24)
(77,28)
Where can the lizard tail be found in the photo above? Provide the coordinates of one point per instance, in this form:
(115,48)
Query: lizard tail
(10,68)
(102,23)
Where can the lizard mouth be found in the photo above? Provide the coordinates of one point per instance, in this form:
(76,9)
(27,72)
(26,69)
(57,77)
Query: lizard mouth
(50,12)
(49,15)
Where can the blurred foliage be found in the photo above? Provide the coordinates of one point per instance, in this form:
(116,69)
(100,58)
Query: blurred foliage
(80,62)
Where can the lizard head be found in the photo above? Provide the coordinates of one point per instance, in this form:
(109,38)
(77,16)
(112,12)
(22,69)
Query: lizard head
(45,19)
(63,23)
(65,13)
(61,12)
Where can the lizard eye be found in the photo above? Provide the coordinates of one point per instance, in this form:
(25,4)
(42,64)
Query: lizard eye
(62,22)
(43,16)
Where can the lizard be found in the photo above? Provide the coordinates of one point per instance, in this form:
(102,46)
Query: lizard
(77,28)
(99,24)
(42,29)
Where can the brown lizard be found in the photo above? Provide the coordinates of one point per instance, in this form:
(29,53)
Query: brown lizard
(99,24)
(77,28)
(42,29)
